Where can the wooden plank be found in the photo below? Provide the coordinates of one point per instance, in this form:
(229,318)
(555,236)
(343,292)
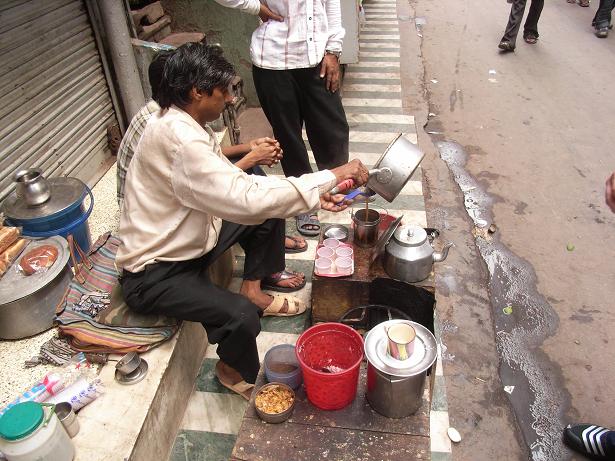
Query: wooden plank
(359,415)
(259,441)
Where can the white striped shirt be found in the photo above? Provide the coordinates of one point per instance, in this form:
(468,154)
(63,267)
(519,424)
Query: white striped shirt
(310,28)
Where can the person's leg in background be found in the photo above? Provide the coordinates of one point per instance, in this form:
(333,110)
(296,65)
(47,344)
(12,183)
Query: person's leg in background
(602,19)
(530,29)
(595,442)
(508,42)
(325,119)
(279,97)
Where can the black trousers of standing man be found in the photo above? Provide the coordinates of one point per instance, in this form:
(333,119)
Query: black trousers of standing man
(603,15)
(183,290)
(293,97)
(516,16)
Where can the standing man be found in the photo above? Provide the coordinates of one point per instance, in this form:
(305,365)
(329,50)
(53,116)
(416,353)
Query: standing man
(295,55)
(530,29)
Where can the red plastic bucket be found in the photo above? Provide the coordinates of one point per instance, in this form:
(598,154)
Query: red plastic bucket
(330,356)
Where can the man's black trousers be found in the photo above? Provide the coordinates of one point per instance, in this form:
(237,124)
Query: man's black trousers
(516,17)
(293,97)
(183,290)
(603,15)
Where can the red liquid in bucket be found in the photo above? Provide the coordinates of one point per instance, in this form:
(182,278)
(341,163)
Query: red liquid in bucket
(330,355)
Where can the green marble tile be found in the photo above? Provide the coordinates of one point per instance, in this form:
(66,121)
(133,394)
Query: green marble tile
(439,402)
(441,456)
(206,380)
(301,265)
(372,95)
(392,128)
(403,202)
(296,325)
(373,81)
(374,110)
(202,446)
(368,147)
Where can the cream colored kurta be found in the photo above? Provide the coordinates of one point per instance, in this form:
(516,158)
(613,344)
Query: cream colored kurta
(179,188)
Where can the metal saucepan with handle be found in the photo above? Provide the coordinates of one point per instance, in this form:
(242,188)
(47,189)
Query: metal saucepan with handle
(391,172)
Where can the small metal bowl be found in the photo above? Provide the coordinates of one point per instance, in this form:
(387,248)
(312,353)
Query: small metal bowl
(336,231)
(129,363)
(275,417)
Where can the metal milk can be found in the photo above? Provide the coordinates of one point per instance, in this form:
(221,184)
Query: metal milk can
(395,387)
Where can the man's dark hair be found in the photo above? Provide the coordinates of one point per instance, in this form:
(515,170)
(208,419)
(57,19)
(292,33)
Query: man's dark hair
(193,65)
(155,71)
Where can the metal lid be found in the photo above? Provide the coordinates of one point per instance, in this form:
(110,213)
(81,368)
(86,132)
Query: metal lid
(65,193)
(384,239)
(410,235)
(422,358)
(21,420)
(14,285)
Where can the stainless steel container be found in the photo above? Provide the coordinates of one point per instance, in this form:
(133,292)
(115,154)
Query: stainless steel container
(32,187)
(395,387)
(399,161)
(28,303)
(366,230)
(68,418)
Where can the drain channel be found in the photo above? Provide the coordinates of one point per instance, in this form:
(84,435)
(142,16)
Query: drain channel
(523,320)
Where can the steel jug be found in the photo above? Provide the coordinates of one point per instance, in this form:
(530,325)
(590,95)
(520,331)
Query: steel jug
(408,255)
(32,187)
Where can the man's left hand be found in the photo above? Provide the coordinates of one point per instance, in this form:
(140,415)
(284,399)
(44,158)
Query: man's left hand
(330,202)
(330,70)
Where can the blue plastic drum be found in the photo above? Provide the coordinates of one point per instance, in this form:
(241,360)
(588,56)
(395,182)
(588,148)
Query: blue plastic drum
(63,214)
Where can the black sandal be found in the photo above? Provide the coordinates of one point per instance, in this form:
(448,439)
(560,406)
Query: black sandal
(271,282)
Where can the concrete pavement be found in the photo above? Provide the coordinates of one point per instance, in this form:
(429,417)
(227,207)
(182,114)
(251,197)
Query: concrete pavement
(534,146)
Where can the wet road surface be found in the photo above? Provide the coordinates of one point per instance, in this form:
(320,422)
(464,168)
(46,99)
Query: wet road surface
(522,141)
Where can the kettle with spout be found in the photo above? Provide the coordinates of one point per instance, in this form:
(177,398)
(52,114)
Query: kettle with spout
(409,256)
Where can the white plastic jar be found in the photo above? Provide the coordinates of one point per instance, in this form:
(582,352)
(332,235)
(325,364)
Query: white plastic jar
(30,431)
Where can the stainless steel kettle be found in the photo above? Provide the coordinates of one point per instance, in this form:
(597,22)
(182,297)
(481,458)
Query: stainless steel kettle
(409,257)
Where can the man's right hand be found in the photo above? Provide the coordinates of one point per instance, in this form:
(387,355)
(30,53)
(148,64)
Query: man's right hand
(354,170)
(266,14)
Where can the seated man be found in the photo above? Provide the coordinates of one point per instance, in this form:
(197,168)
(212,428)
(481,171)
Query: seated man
(247,156)
(185,203)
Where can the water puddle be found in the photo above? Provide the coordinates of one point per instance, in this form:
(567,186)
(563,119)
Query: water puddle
(523,320)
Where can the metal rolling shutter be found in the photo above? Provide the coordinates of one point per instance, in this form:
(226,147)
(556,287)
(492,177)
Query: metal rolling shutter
(55,104)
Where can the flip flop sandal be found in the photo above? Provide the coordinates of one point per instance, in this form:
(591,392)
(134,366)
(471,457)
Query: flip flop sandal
(271,282)
(305,221)
(297,248)
(241,388)
(295,307)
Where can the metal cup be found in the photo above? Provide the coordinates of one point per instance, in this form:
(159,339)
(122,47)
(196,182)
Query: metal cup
(400,343)
(68,418)
(366,229)
(129,363)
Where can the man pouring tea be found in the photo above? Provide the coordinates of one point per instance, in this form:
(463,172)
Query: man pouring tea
(185,204)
